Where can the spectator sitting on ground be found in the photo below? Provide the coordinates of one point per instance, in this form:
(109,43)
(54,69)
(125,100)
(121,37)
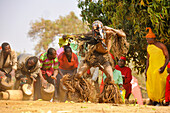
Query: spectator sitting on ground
(127,76)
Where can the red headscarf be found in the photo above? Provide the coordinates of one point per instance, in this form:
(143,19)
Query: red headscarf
(168,65)
(150,34)
(123,58)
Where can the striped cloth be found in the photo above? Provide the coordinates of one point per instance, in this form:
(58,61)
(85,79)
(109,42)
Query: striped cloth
(46,64)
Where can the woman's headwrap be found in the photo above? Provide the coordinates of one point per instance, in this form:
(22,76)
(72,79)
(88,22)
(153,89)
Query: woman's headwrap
(62,42)
(150,34)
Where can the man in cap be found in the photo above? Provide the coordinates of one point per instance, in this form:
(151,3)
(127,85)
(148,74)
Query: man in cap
(126,74)
(156,74)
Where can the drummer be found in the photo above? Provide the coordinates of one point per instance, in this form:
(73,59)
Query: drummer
(8,63)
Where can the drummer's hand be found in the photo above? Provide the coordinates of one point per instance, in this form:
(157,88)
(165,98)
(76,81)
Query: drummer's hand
(44,83)
(53,77)
(24,80)
(34,80)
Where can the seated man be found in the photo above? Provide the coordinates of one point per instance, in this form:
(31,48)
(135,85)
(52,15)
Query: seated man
(8,62)
(49,67)
(126,74)
(68,63)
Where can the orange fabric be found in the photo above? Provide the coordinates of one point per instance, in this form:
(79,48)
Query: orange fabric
(65,64)
(150,34)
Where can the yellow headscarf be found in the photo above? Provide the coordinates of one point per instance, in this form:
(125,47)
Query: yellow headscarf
(62,42)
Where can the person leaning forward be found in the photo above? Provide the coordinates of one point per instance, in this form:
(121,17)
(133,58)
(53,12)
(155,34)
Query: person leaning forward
(28,69)
(49,68)
(68,63)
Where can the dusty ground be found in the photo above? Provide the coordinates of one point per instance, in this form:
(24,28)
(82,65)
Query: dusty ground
(8,106)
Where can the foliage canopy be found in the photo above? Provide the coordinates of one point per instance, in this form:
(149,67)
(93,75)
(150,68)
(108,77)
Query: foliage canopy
(133,16)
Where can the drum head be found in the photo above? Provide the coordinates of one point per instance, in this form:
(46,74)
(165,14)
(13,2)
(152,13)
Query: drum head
(27,89)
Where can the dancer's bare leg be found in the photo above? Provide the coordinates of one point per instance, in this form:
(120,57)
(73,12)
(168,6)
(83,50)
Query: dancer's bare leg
(107,69)
(82,69)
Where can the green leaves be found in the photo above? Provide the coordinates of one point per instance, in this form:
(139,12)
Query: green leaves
(133,17)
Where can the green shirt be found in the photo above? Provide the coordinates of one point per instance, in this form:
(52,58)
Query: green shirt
(117,77)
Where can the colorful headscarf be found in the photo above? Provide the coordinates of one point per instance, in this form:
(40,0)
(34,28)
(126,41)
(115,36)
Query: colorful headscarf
(168,65)
(150,34)
(122,58)
(62,42)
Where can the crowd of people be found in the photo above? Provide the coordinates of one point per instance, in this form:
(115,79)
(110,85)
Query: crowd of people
(53,64)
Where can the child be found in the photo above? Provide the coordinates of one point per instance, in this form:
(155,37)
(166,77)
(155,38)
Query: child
(167,91)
